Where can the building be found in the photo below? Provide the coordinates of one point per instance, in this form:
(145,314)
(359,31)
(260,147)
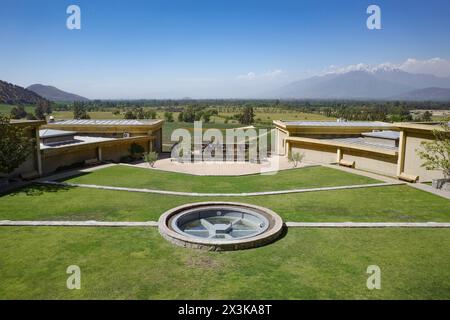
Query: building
(379,147)
(68,143)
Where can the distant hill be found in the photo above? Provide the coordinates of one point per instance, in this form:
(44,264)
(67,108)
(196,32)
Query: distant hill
(432,93)
(55,94)
(12,94)
(364,84)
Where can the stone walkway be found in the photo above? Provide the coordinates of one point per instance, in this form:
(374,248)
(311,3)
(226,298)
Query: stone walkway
(196,194)
(368,224)
(276,164)
(419,186)
(92,223)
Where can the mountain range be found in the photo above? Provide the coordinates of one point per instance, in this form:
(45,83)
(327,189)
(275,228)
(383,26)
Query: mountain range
(13,94)
(380,83)
(54,94)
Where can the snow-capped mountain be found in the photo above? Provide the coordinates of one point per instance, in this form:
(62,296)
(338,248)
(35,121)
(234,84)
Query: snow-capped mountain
(361,82)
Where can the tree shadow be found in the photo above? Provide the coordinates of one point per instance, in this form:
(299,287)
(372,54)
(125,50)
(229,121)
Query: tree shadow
(39,189)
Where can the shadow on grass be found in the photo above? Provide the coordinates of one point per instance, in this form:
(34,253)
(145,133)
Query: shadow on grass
(39,189)
(75,175)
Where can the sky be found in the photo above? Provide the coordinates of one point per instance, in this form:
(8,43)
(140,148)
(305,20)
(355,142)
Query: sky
(212,48)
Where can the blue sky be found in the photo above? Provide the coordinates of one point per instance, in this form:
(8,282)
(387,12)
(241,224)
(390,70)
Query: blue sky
(208,48)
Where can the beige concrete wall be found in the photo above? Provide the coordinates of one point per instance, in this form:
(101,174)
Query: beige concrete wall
(413,162)
(51,163)
(117,151)
(280,147)
(315,153)
(373,162)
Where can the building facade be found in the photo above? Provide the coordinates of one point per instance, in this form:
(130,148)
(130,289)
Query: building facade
(73,142)
(383,148)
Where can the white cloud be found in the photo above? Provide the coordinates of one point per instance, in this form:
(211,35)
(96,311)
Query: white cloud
(254,76)
(435,66)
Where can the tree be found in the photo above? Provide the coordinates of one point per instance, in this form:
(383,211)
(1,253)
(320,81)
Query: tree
(168,116)
(39,112)
(79,111)
(151,158)
(129,115)
(136,150)
(151,114)
(296,158)
(426,117)
(14,145)
(30,116)
(436,153)
(140,113)
(188,114)
(18,112)
(247,116)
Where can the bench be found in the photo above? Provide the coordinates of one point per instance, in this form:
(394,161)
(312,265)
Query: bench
(345,163)
(408,178)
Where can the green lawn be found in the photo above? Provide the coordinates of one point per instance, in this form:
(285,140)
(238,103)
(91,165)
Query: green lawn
(312,177)
(380,204)
(137,263)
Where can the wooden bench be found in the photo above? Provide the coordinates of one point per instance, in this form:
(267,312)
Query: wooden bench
(345,163)
(408,178)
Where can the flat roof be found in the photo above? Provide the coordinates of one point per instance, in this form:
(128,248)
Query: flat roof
(364,143)
(387,134)
(337,124)
(420,126)
(50,133)
(78,140)
(27,122)
(112,122)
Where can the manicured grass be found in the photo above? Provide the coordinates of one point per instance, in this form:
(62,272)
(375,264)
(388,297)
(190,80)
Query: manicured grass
(137,263)
(380,204)
(312,177)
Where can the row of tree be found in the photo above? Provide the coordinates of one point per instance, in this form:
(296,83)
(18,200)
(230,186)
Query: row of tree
(40,112)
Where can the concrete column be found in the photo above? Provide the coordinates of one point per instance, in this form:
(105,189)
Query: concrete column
(339,155)
(99,154)
(38,151)
(401,152)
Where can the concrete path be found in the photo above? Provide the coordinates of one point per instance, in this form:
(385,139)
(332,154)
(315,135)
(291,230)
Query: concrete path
(419,186)
(430,189)
(196,194)
(92,223)
(368,224)
(206,168)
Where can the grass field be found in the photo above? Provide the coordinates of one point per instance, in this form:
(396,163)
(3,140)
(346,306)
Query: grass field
(312,177)
(380,204)
(136,263)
